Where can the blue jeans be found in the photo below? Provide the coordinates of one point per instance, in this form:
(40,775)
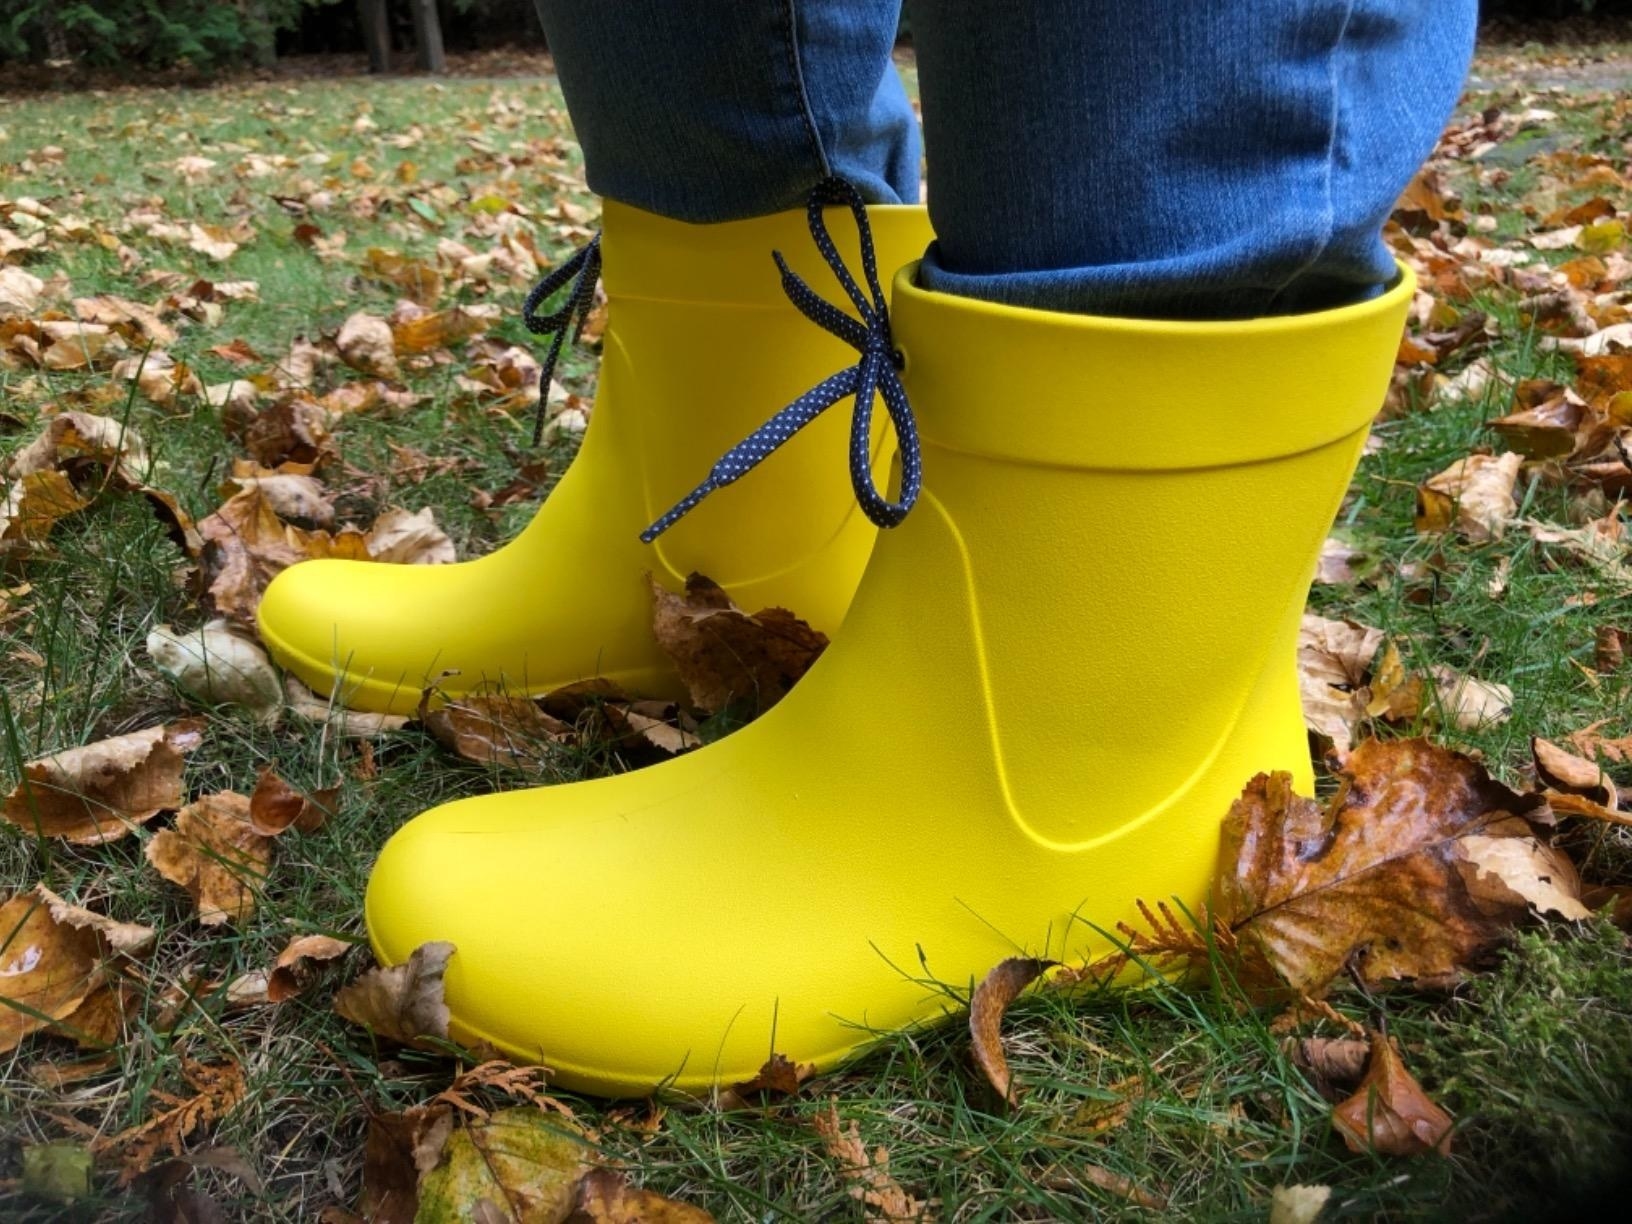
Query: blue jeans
(1174,158)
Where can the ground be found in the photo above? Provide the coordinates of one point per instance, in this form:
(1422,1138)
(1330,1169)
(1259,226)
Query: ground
(1177,1095)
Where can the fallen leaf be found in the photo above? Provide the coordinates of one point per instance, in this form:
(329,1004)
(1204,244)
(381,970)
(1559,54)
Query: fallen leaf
(365,343)
(100,792)
(246,545)
(127,937)
(604,1197)
(1473,496)
(496,730)
(1334,662)
(403,1003)
(725,655)
(780,1076)
(991,999)
(33,503)
(275,806)
(525,1163)
(215,854)
(409,539)
(356,724)
(1383,878)
(1563,770)
(295,964)
(1390,1114)
(292,429)
(57,1172)
(398,1150)
(219,667)
(867,1172)
(442,328)
(1332,1062)
(47,968)
(1298,1204)
(19,292)
(88,437)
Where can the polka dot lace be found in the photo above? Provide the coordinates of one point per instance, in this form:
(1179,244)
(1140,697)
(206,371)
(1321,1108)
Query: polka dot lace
(876,374)
(578,275)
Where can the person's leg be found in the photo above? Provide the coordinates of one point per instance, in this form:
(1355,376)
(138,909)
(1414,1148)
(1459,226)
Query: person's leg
(1175,159)
(706,124)
(717,110)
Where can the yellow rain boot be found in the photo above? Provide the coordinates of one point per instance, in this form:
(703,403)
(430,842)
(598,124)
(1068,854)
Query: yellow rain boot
(1056,676)
(700,346)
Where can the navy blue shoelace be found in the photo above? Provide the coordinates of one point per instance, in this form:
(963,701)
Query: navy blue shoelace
(579,276)
(876,374)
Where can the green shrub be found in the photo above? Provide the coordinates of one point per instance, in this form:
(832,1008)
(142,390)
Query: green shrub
(145,33)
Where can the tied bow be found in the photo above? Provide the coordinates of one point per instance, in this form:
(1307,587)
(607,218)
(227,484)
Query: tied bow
(581,272)
(876,374)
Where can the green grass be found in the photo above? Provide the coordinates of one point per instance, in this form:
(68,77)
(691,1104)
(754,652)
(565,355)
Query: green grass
(1532,1059)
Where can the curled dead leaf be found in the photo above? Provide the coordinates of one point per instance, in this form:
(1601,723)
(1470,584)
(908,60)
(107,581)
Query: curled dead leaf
(297,962)
(723,654)
(216,855)
(130,938)
(99,792)
(1474,496)
(409,539)
(402,1003)
(275,806)
(991,999)
(365,343)
(496,730)
(1562,770)
(1390,1114)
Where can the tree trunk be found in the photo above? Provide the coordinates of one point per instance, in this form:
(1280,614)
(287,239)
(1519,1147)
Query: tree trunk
(372,17)
(263,37)
(428,36)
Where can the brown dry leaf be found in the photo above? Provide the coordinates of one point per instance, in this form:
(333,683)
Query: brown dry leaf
(604,1197)
(247,545)
(1332,1061)
(216,855)
(19,292)
(1467,703)
(403,1003)
(32,505)
(365,344)
(496,730)
(296,964)
(275,806)
(1546,431)
(99,792)
(1105,1179)
(354,724)
(87,437)
(416,280)
(1334,663)
(725,655)
(437,330)
(130,938)
(991,999)
(409,539)
(868,1172)
(1473,496)
(217,1090)
(1562,770)
(398,1150)
(293,495)
(780,1076)
(1390,1114)
(158,376)
(1609,649)
(142,323)
(294,428)
(1600,542)
(47,968)
(1385,878)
